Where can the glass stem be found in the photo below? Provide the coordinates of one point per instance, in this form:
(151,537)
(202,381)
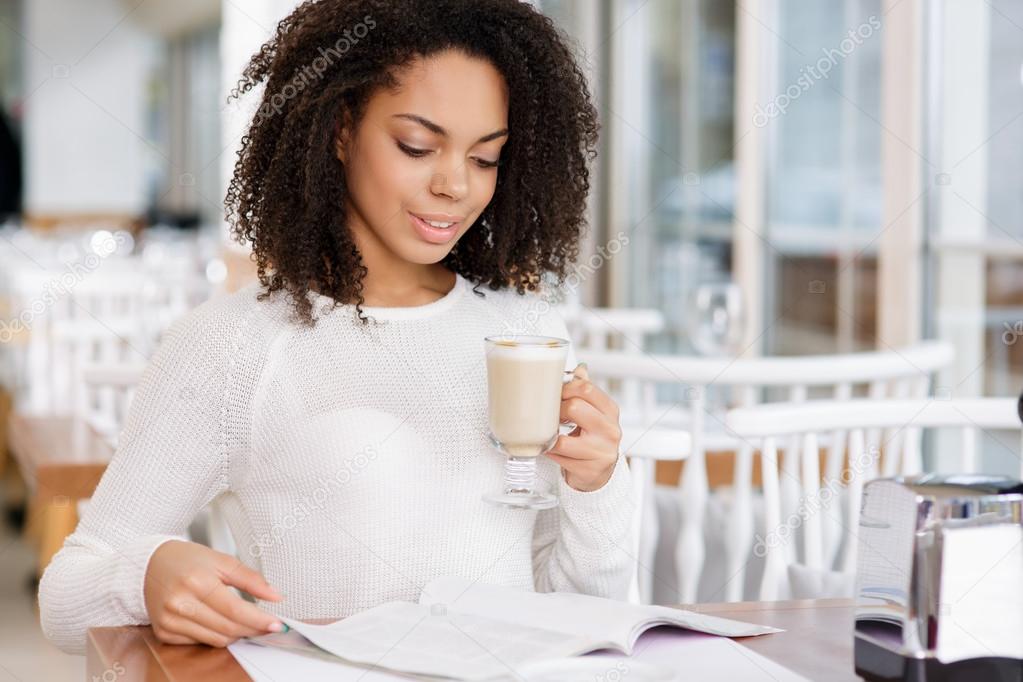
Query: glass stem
(519,474)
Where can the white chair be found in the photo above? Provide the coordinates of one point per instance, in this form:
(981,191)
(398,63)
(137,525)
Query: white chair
(635,378)
(64,323)
(610,328)
(84,278)
(105,395)
(817,543)
(82,353)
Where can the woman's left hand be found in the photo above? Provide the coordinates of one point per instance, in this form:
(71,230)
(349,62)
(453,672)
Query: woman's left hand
(588,454)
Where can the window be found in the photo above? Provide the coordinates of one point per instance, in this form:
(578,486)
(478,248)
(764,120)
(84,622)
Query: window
(823,175)
(975,225)
(670,118)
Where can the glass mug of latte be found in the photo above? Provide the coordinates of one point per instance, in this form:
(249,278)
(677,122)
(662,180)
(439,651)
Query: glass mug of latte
(525,375)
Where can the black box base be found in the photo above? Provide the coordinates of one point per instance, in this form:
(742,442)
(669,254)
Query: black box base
(875,663)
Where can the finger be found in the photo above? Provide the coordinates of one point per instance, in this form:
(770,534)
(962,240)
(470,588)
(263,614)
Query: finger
(213,620)
(564,461)
(587,416)
(170,637)
(575,448)
(579,467)
(237,610)
(183,627)
(588,476)
(591,393)
(234,572)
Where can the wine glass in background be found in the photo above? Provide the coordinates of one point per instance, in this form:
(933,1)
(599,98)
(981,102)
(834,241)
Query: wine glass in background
(716,319)
(716,322)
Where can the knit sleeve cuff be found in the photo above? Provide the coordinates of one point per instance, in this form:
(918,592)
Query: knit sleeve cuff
(610,506)
(131,573)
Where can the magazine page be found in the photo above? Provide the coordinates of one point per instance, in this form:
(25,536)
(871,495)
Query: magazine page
(593,618)
(425,640)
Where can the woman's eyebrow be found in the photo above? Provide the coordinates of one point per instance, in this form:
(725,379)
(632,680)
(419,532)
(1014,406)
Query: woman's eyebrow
(433,127)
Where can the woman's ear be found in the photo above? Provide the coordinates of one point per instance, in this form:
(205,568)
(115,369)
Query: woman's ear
(340,145)
(342,138)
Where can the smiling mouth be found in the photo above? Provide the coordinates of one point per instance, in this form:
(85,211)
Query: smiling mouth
(435,231)
(437,224)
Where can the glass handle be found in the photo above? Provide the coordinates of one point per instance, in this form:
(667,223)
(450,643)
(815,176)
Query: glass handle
(568,427)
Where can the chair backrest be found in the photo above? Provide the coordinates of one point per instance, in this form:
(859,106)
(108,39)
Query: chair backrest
(611,328)
(815,530)
(83,342)
(637,379)
(57,323)
(105,395)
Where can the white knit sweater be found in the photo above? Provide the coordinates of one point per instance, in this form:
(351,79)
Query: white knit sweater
(348,460)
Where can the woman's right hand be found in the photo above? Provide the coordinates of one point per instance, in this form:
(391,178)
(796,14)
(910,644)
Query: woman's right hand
(189,598)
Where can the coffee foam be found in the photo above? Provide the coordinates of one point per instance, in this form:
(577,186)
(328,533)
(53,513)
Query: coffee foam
(526,347)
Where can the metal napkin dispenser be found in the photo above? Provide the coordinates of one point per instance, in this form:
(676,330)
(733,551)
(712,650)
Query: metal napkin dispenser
(939,581)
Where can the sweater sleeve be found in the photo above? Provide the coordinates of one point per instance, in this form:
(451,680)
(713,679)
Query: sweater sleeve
(170,462)
(586,543)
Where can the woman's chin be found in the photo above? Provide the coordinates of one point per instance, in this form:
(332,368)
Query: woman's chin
(423,253)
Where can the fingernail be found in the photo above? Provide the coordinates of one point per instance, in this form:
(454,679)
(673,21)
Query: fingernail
(277,627)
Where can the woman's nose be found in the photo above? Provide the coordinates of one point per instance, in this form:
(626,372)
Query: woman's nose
(451,182)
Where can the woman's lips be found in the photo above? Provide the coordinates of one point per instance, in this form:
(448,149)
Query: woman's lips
(434,235)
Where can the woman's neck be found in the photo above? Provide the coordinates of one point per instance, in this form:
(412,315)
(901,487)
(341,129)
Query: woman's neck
(400,289)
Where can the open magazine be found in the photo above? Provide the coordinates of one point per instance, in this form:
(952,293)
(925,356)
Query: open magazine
(464,630)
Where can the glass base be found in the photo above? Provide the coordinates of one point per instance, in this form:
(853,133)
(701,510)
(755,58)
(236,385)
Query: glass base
(520,487)
(522,500)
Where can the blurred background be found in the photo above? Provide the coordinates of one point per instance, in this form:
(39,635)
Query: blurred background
(777,178)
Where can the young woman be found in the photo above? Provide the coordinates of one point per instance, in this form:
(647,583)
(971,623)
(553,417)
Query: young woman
(415,167)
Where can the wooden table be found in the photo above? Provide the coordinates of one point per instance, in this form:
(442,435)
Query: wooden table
(62,460)
(817,643)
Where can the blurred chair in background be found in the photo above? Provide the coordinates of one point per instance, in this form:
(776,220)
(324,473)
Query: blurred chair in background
(807,535)
(704,535)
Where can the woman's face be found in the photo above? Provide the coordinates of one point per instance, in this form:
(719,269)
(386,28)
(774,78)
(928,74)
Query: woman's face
(425,153)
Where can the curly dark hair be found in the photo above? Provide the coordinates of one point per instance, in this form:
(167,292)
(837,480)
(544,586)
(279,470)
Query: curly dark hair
(288,182)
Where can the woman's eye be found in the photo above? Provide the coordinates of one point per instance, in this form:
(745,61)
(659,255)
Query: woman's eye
(412,151)
(419,153)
